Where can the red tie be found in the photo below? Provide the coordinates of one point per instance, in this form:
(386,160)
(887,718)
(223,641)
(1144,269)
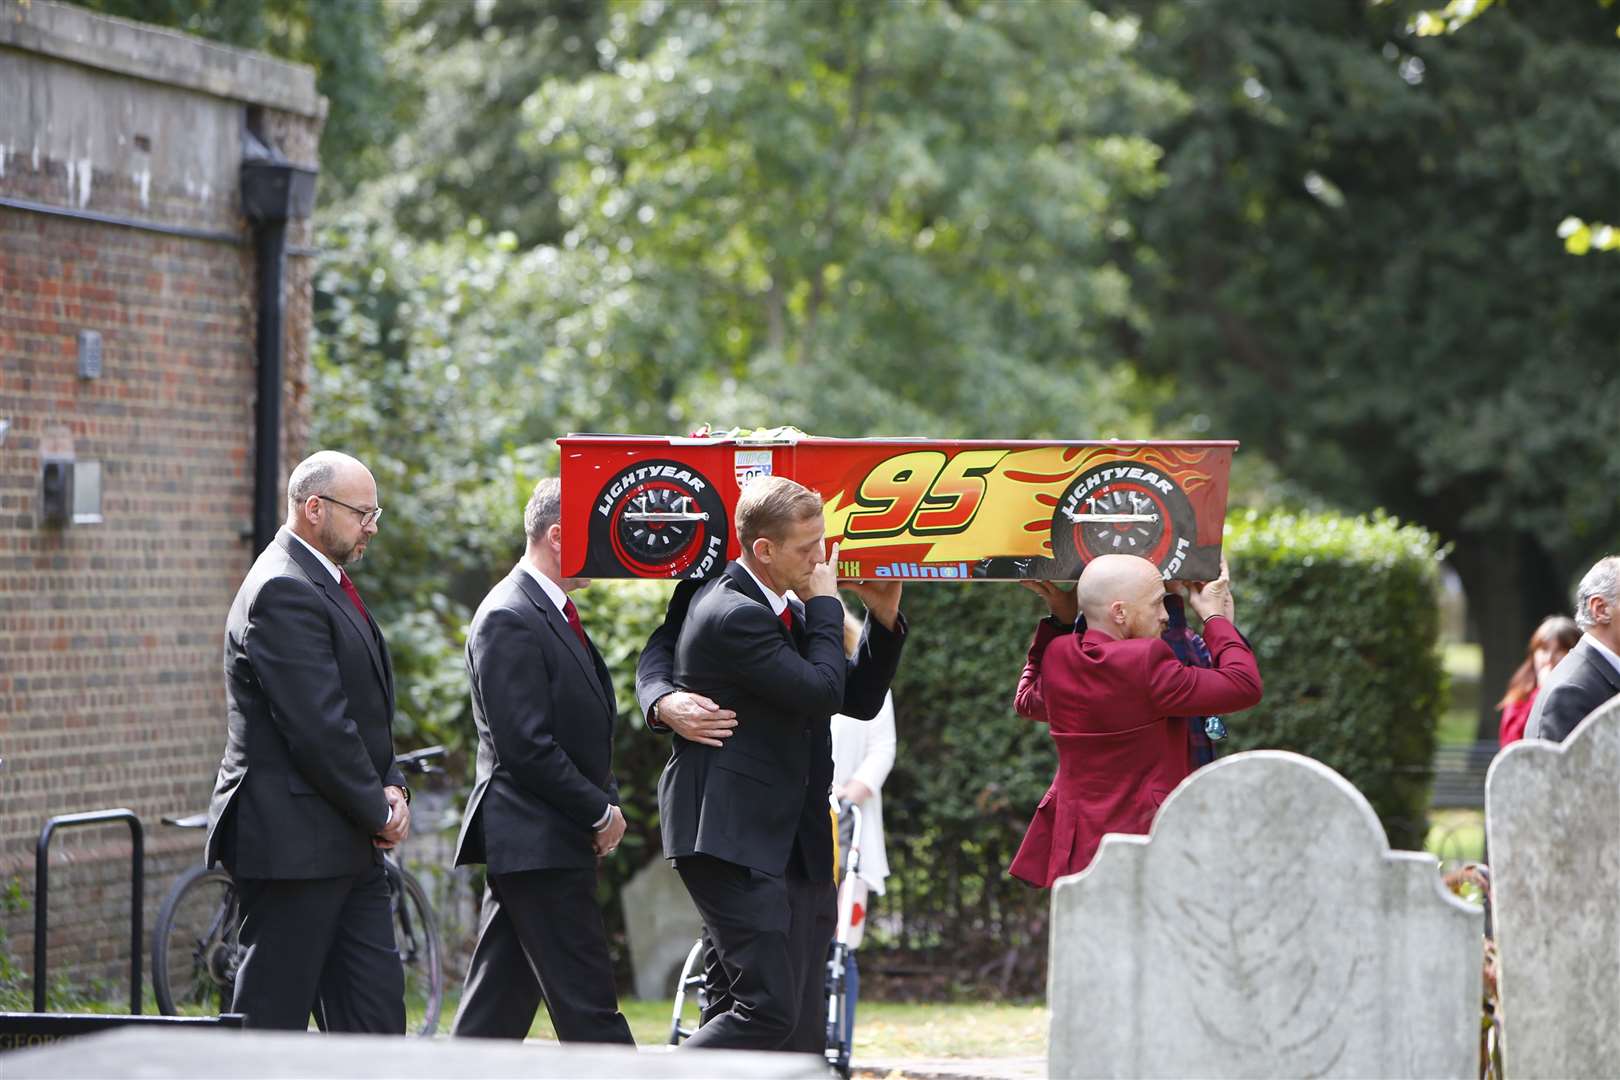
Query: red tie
(571,613)
(787,618)
(354,594)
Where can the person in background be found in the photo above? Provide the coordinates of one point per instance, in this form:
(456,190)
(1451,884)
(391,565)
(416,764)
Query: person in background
(863,754)
(1551,642)
(1590,674)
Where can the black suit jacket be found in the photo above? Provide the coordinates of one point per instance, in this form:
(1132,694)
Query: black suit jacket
(544,708)
(309,694)
(748,800)
(1583,680)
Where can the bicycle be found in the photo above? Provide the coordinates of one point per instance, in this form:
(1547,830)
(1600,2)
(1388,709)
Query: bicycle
(195,952)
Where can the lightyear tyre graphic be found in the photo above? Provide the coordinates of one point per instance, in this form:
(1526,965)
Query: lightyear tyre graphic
(1105,511)
(657,519)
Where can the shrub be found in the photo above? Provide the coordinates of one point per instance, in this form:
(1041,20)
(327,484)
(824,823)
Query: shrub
(1343,618)
(967,776)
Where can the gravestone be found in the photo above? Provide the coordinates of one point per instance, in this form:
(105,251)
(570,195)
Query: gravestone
(1265,929)
(662,924)
(1552,813)
(263,1055)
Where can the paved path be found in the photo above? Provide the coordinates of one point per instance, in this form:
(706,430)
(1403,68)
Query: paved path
(1007,1068)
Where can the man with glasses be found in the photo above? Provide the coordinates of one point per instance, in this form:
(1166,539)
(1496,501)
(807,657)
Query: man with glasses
(308,796)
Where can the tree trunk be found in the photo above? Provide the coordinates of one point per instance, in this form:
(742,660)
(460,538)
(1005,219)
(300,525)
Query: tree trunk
(1512,584)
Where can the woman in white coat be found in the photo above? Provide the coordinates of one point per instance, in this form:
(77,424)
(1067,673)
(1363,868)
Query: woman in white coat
(863,754)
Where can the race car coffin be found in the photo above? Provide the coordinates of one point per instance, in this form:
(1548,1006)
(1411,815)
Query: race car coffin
(661,507)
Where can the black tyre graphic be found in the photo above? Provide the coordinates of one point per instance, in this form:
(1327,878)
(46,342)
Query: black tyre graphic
(1087,522)
(657,519)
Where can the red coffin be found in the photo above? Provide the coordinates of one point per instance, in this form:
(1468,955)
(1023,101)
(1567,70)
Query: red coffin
(661,507)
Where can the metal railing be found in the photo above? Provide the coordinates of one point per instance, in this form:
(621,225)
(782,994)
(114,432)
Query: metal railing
(42,885)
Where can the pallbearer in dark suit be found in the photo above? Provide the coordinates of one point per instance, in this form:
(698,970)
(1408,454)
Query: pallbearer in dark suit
(544,806)
(744,804)
(307,791)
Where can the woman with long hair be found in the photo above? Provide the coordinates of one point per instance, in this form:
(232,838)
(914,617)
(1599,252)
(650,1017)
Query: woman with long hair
(1555,636)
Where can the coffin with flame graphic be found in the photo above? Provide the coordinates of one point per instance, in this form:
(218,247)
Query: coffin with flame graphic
(642,506)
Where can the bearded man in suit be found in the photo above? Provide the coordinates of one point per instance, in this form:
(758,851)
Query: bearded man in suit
(749,677)
(545,806)
(307,795)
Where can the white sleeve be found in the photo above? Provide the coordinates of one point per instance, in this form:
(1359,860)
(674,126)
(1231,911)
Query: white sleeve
(880,744)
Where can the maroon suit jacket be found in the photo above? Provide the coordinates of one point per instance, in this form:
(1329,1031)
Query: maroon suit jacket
(1117,711)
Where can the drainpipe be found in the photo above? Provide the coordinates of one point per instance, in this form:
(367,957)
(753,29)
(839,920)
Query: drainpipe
(273,192)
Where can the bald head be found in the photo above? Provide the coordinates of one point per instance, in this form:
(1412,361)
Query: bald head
(319,474)
(332,505)
(1123,596)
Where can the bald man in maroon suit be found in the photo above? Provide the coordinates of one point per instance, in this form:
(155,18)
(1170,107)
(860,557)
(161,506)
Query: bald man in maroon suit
(1116,699)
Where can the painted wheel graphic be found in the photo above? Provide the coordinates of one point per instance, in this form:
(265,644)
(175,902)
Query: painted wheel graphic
(657,519)
(1119,517)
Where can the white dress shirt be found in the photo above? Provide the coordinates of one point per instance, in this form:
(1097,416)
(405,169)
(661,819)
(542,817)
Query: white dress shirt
(552,590)
(777,601)
(331,567)
(1603,651)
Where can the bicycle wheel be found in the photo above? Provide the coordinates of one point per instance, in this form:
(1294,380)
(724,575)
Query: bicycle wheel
(416,934)
(194,947)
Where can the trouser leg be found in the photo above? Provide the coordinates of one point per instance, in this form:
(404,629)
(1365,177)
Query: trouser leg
(746,914)
(286,930)
(363,983)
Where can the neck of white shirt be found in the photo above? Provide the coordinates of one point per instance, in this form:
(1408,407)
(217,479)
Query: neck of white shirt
(547,586)
(331,567)
(1603,650)
(777,601)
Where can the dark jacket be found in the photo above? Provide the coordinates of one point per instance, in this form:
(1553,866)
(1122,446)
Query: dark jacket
(309,695)
(748,800)
(544,709)
(1583,680)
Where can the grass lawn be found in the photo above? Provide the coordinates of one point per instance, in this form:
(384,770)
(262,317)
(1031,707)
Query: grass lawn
(1456,835)
(882,1029)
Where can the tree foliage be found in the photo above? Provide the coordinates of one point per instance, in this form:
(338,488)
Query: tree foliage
(850,217)
(1354,267)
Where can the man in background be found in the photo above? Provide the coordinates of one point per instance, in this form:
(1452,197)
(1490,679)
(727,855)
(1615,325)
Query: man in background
(1590,674)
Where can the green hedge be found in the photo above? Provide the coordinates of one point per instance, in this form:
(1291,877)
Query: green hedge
(1344,619)
(967,776)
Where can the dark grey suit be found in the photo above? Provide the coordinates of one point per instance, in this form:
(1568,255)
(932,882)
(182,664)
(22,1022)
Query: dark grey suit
(1583,680)
(309,693)
(747,823)
(544,707)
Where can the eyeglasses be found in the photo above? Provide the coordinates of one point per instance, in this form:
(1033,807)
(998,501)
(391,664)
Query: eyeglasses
(367,517)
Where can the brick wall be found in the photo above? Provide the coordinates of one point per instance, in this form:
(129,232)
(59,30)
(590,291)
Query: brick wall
(111,690)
